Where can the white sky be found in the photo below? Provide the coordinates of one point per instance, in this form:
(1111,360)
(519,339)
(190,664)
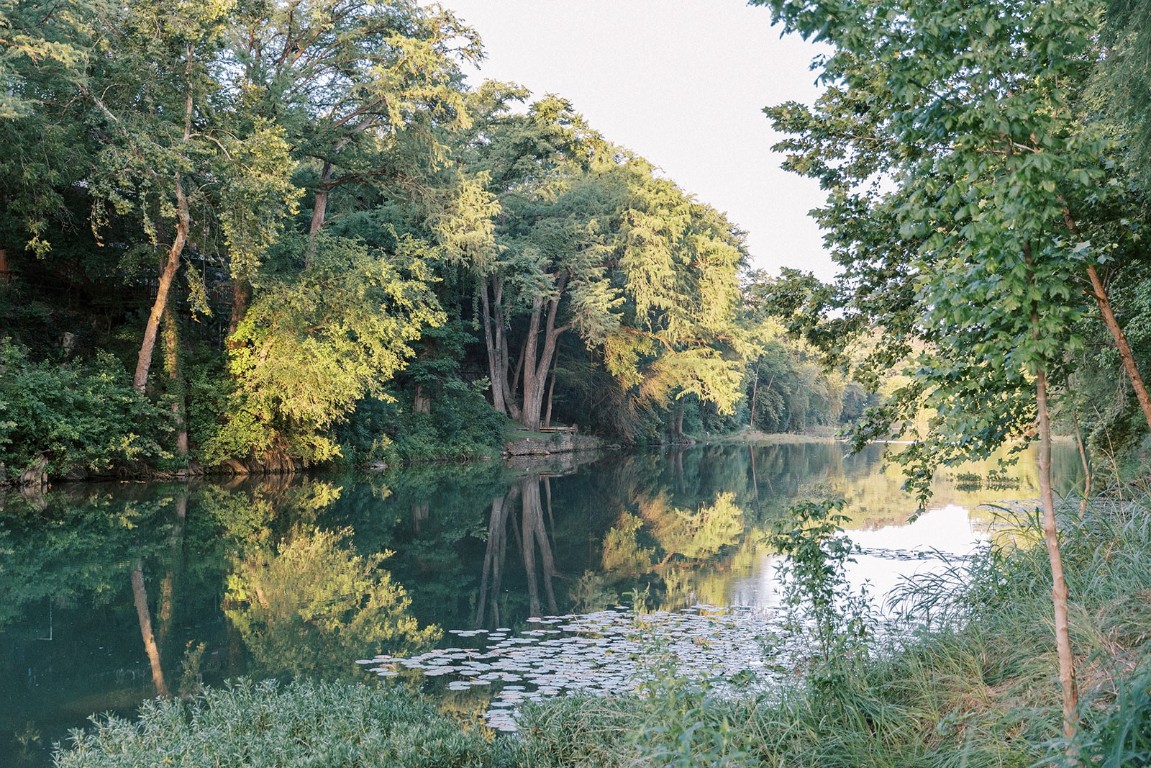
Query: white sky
(682,83)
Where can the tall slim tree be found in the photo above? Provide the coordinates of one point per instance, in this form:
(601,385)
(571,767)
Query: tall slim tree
(963,131)
(172,155)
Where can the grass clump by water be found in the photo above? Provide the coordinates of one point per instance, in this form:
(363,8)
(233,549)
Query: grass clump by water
(975,685)
(265,725)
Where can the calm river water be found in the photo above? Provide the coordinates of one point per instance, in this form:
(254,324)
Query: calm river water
(111,592)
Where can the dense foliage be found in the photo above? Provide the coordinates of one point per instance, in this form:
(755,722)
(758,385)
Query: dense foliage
(298,233)
(986,203)
(985,208)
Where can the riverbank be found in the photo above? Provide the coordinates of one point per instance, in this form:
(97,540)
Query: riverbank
(756,437)
(975,685)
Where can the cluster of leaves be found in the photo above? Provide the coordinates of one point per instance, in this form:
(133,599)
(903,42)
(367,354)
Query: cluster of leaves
(77,417)
(311,347)
(302,723)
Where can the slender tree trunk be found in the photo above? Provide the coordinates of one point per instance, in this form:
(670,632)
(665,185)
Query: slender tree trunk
(5,273)
(140,597)
(551,399)
(175,252)
(176,387)
(1085,462)
(1120,338)
(167,275)
(1099,292)
(319,212)
(497,368)
(1059,591)
(499,359)
(512,394)
(530,417)
(754,396)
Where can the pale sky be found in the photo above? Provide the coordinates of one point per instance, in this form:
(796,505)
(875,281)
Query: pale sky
(682,83)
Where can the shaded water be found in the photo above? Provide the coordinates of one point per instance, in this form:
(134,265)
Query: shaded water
(113,592)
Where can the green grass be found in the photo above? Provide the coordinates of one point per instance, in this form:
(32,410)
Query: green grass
(326,725)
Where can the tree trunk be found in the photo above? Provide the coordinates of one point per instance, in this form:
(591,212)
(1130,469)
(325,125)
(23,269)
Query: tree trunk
(537,362)
(5,273)
(167,274)
(497,367)
(1120,338)
(319,212)
(754,396)
(177,390)
(35,475)
(1099,292)
(530,416)
(511,394)
(1059,592)
(421,403)
(551,399)
(241,296)
(677,420)
(1085,462)
(140,597)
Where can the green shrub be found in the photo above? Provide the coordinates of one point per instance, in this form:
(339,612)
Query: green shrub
(1122,735)
(265,725)
(77,416)
(461,424)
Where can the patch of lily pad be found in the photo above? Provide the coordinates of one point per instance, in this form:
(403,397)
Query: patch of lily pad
(608,652)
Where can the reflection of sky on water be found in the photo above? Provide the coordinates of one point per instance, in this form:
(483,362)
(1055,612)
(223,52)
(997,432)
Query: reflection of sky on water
(602,653)
(890,555)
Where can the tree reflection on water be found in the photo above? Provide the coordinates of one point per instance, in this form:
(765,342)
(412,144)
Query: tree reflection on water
(106,586)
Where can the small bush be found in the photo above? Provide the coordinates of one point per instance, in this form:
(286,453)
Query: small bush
(461,424)
(76,416)
(265,725)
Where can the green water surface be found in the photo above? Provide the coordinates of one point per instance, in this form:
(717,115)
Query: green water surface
(112,592)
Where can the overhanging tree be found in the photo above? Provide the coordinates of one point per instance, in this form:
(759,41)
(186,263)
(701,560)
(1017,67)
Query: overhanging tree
(963,130)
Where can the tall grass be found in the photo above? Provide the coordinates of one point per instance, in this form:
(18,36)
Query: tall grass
(325,725)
